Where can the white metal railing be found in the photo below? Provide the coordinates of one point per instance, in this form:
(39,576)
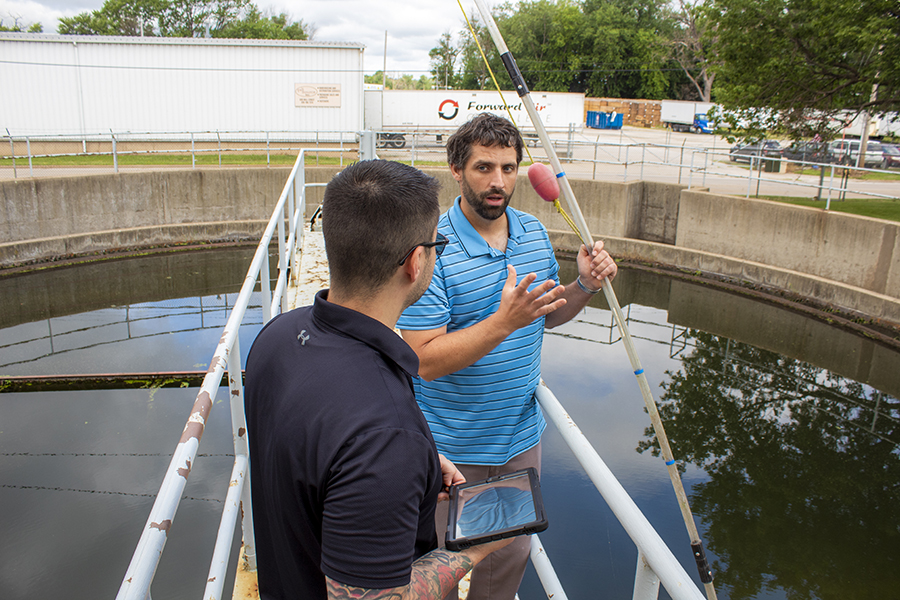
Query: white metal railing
(655,561)
(626,159)
(20,148)
(139,576)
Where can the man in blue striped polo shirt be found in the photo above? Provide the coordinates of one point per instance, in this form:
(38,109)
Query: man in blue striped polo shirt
(478,328)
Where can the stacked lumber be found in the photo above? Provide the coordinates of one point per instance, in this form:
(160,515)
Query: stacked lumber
(637,113)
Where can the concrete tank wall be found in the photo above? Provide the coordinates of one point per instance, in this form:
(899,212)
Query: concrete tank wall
(858,251)
(842,260)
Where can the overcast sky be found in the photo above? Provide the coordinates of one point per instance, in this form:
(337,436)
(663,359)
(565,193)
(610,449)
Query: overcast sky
(413,28)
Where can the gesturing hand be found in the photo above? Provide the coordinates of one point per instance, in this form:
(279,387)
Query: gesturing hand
(519,307)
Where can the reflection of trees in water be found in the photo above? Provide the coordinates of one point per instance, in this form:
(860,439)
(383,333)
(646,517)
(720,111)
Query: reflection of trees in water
(804,466)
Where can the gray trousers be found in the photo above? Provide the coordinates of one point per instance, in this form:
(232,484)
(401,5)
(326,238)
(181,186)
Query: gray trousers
(498,576)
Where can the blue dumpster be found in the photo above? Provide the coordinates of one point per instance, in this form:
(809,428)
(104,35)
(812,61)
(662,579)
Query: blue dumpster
(603,120)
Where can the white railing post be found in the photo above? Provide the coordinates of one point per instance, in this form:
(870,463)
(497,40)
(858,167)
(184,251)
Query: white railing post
(705,165)
(292,228)
(830,187)
(241,447)
(750,176)
(28,149)
(12,152)
(282,259)
(265,288)
(643,158)
(691,170)
(299,208)
(114,153)
(646,583)
(215,582)
(541,562)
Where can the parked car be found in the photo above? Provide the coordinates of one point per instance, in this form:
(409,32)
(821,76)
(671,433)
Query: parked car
(813,152)
(890,156)
(846,152)
(744,152)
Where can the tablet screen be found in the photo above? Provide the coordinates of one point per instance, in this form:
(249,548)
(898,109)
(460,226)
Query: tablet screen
(496,508)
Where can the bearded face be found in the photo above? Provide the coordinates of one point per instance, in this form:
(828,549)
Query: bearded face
(488,180)
(489,204)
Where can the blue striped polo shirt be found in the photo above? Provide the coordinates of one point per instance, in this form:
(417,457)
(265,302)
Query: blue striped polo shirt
(486,413)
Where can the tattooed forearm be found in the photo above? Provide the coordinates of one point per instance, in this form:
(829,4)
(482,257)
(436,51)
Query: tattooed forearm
(433,576)
(339,591)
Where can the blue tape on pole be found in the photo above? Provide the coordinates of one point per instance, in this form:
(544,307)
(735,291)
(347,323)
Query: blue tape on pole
(561,174)
(670,463)
(639,371)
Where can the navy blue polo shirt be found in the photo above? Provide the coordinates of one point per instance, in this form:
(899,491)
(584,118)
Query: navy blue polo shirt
(344,471)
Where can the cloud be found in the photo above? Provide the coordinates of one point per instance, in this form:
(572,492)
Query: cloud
(412,28)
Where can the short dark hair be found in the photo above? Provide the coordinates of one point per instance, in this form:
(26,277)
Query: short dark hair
(484,129)
(373,212)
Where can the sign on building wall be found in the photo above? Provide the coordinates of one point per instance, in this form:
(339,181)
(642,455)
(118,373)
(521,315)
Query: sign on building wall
(317,94)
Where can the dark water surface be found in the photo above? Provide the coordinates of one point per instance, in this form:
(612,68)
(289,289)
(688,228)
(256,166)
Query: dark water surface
(786,428)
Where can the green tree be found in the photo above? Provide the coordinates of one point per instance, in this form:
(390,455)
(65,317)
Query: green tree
(377,78)
(16,26)
(424,83)
(548,41)
(475,75)
(693,43)
(599,47)
(256,25)
(117,17)
(403,82)
(192,18)
(799,63)
(443,61)
(803,471)
(185,18)
(626,49)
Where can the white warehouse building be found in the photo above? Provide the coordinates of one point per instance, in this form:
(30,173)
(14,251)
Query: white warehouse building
(91,85)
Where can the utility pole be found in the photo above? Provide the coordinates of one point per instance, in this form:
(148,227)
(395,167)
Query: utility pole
(864,138)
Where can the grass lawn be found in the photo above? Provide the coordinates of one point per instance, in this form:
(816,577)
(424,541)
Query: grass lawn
(877,208)
(854,174)
(325,157)
(93,160)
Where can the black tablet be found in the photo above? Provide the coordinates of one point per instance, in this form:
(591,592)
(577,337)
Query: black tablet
(496,508)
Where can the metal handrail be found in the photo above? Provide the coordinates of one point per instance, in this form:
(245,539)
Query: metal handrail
(626,154)
(144,562)
(651,547)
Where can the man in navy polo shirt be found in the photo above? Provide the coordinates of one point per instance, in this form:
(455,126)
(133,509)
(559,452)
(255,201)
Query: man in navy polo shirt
(344,471)
(478,328)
